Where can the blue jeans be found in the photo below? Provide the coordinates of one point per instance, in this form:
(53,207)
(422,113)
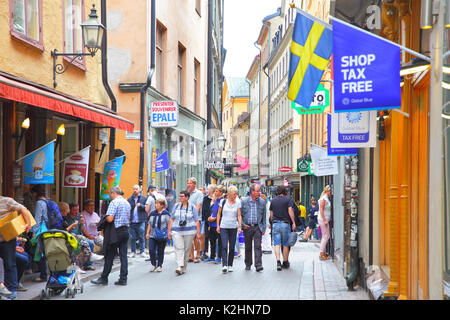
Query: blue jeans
(110,252)
(8,254)
(156,249)
(228,237)
(23,262)
(281,232)
(137,231)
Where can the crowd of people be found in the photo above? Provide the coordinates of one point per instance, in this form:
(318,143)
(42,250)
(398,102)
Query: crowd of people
(204,225)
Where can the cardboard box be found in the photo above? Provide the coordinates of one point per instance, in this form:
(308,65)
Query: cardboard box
(13,225)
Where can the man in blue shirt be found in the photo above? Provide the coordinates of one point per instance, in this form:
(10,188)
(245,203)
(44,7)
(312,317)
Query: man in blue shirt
(118,213)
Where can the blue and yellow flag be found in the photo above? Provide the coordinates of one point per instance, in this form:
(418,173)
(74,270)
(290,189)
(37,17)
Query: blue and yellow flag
(311,48)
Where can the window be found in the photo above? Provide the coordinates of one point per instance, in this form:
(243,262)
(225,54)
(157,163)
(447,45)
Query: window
(196,86)
(26,21)
(159,55)
(73,37)
(181,71)
(198,6)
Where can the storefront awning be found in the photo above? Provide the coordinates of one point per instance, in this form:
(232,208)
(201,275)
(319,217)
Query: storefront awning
(26,93)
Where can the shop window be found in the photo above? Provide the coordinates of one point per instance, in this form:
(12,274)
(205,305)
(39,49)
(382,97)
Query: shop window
(73,37)
(181,73)
(196,86)
(26,21)
(160,49)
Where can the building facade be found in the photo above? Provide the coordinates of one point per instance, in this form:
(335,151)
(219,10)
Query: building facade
(77,98)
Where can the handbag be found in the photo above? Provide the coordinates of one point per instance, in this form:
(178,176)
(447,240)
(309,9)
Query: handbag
(159,234)
(292,238)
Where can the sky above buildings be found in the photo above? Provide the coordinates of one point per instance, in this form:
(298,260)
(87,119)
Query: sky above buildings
(242,23)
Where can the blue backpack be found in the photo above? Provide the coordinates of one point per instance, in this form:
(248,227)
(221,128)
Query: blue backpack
(55,219)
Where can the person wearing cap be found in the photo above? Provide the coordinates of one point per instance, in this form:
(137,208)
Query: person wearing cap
(118,214)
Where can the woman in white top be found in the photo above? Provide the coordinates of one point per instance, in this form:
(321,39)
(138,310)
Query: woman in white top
(230,212)
(323,219)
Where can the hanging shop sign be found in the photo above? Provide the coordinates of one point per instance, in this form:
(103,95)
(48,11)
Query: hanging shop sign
(337,151)
(76,169)
(164,114)
(323,164)
(111,176)
(354,129)
(285,169)
(366,70)
(320,102)
(302,165)
(39,166)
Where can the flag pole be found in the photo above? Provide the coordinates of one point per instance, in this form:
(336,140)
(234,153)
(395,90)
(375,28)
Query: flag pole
(415,53)
(18,160)
(73,154)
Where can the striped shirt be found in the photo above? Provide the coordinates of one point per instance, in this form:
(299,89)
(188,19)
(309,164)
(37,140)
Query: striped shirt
(8,206)
(253,217)
(189,214)
(120,209)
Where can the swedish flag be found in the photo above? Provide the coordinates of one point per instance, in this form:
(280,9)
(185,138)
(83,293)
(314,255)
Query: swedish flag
(311,48)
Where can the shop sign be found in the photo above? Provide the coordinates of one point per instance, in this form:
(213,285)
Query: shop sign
(302,165)
(164,114)
(337,151)
(214,165)
(354,129)
(323,164)
(285,169)
(76,169)
(320,102)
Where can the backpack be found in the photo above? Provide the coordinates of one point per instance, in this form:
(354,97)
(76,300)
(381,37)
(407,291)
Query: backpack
(55,219)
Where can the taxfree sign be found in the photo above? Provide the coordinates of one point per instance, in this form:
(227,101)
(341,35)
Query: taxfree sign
(164,114)
(366,70)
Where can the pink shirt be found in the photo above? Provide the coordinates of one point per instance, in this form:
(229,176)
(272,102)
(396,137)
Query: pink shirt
(91,221)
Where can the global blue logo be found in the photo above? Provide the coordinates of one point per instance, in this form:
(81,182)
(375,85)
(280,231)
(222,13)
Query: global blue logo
(354,117)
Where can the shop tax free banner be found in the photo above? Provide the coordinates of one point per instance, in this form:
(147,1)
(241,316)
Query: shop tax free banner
(366,70)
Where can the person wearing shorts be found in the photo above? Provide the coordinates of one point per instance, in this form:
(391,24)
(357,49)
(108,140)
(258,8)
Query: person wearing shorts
(282,214)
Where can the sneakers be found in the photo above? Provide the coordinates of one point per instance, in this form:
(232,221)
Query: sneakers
(96,257)
(237,254)
(204,257)
(4,291)
(217,260)
(279,266)
(179,271)
(224,269)
(153,269)
(248,268)
(230,269)
(286,264)
(302,240)
(12,296)
(209,260)
(259,268)
(132,255)
(21,288)
(159,269)
(143,255)
(88,268)
(120,283)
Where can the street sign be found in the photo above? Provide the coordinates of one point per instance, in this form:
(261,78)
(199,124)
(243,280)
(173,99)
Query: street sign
(164,114)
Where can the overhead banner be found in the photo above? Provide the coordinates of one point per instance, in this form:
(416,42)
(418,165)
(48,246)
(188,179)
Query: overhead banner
(323,164)
(162,163)
(337,151)
(111,176)
(76,169)
(39,165)
(366,70)
(244,162)
(354,129)
(320,101)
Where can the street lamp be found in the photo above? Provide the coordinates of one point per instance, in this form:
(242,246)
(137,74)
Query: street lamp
(59,133)
(25,126)
(92,40)
(221,140)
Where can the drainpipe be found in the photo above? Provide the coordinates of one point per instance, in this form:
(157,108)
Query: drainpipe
(209,87)
(259,103)
(112,135)
(144,94)
(268,93)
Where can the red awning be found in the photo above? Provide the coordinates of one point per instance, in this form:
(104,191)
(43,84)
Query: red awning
(29,94)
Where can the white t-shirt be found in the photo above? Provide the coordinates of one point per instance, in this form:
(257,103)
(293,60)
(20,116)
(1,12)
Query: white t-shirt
(229,215)
(326,209)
